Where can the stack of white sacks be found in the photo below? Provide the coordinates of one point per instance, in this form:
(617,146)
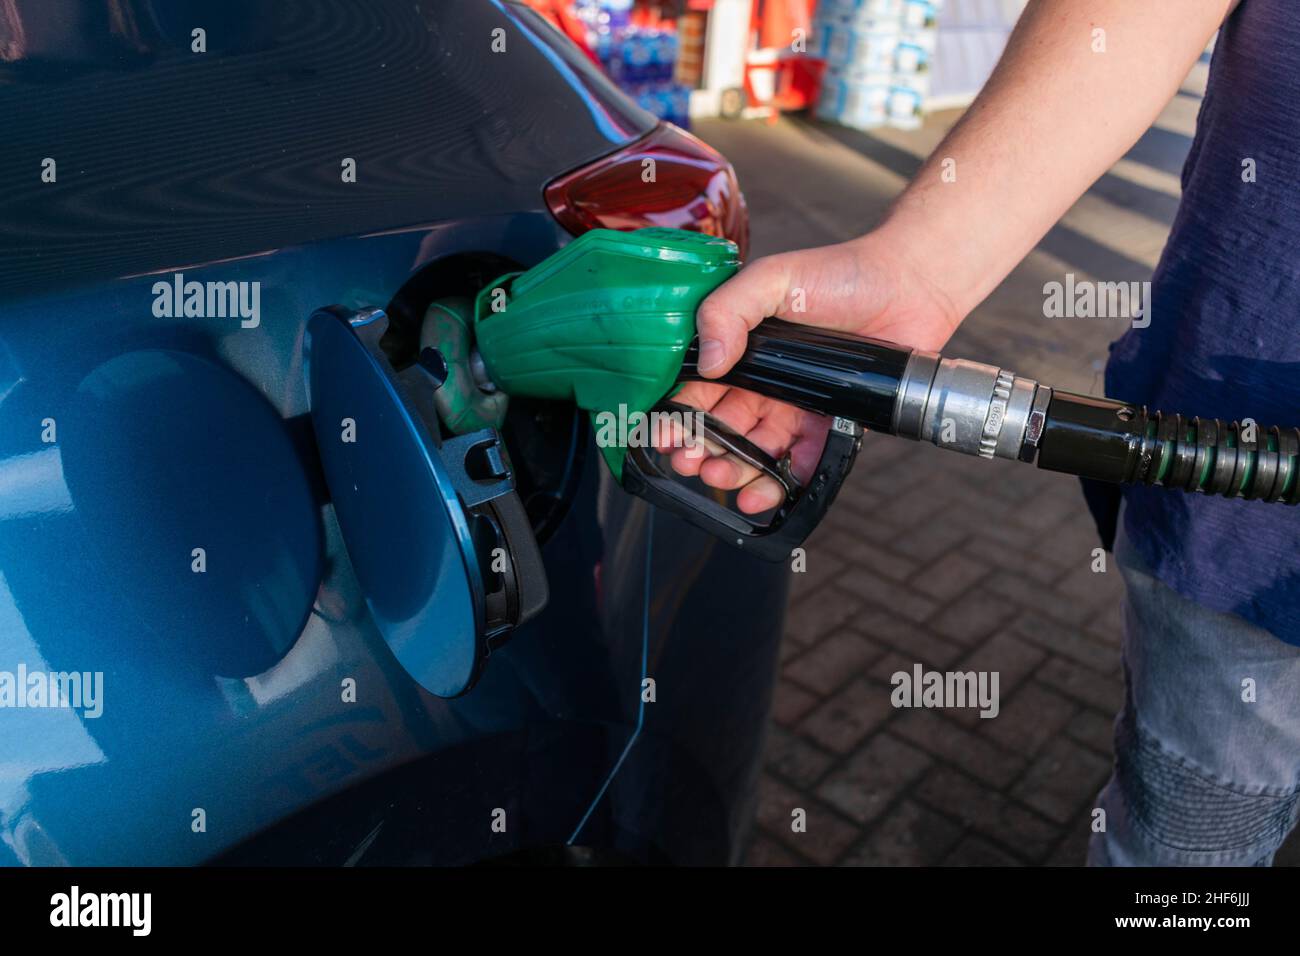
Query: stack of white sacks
(971,36)
(878,55)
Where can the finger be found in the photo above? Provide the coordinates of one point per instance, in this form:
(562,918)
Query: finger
(687,461)
(747,413)
(738,410)
(727,473)
(724,319)
(786,428)
(668,434)
(759,492)
(735,411)
(807,448)
(772,435)
(701,395)
(760,495)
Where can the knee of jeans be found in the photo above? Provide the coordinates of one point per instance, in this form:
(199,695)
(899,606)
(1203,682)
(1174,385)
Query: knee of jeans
(1183,807)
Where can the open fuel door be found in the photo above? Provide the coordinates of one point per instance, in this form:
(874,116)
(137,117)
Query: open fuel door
(438,538)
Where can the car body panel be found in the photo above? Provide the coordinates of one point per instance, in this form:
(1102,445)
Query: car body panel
(226,169)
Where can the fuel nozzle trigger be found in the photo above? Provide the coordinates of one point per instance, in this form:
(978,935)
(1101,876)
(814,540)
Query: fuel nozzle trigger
(790,522)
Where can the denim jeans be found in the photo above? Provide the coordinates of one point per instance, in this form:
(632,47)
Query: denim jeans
(1207,745)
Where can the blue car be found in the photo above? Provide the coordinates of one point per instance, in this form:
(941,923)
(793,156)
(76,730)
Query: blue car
(254,607)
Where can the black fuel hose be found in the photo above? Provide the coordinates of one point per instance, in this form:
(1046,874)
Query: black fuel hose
(1113,441)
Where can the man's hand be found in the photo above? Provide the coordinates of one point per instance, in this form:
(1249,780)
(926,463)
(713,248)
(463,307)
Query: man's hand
(857,287)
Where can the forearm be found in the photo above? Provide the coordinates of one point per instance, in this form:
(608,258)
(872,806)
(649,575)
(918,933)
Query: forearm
(1053,117)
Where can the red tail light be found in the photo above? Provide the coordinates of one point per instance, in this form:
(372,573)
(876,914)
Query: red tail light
(688,186)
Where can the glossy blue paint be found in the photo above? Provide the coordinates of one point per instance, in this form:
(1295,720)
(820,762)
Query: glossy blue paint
(194,514)
(249,747)
(405,529)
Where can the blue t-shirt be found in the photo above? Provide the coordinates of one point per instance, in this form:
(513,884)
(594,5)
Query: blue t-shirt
(1225,313)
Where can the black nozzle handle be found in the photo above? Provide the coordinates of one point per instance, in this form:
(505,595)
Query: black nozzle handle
(789,524)
(994,413)
(831,373)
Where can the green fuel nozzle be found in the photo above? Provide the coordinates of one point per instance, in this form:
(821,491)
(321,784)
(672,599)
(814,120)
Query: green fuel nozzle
(608,322)
(605,322)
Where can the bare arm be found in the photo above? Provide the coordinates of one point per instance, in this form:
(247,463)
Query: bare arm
(1078,83)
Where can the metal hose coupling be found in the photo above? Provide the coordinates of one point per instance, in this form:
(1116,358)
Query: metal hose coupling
(983,410)
(970,407)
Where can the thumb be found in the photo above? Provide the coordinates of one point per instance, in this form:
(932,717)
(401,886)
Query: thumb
(724,319)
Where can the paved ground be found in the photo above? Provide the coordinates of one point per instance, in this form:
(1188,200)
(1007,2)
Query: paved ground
(951,562)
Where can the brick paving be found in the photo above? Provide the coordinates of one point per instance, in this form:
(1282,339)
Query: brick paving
(911,786)
(953,563)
